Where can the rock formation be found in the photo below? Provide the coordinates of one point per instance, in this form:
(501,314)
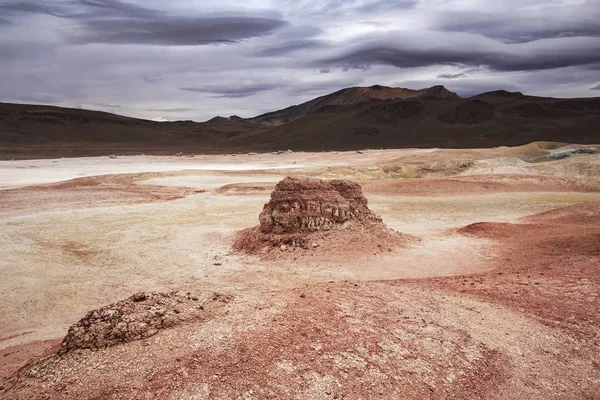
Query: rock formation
(312,204)
(138,317)
(325,216)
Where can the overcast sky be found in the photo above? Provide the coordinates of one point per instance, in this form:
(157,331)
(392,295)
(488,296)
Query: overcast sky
(190,59)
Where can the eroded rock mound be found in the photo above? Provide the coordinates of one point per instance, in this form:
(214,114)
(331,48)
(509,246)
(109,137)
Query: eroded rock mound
(310,213)
(137,317)
(313,204)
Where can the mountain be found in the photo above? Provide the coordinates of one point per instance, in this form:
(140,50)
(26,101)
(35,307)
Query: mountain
(48,131)
(348,97)
(349,119)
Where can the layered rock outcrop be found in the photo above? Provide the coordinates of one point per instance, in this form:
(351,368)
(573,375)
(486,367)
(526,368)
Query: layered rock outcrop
(327,217)
(312,205)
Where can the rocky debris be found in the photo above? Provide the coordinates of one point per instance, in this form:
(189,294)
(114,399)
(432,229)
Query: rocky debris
(314,214)
(138,317)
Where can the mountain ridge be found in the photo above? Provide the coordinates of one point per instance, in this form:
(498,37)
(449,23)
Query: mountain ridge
(348,119)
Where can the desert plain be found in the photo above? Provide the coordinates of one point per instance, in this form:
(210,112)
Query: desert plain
(496,296)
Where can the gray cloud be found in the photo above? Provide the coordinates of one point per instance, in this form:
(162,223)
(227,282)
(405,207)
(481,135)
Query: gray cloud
(175,30)
(385,6)
(597,87)
(461,74)
(233,91)
(434,48)
(546,20)
(169,110)
(165,56)
(15,8)
(118,22)
(320,88)
(452,76)
(107,105)
(282,49)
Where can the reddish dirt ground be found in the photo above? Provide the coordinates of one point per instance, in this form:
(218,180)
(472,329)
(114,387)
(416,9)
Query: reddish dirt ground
(525,326)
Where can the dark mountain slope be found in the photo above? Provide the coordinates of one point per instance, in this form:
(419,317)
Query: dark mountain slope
(354,118)
(482,121)
(348,97)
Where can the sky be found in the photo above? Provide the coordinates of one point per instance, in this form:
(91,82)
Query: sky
(191,59)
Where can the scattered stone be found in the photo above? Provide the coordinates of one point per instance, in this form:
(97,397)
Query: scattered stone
(283,247)
(113,156)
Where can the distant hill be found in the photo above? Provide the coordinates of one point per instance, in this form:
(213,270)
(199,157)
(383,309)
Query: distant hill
(348,97)
(352,118)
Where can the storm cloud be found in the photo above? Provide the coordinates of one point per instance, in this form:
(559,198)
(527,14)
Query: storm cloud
(186,59)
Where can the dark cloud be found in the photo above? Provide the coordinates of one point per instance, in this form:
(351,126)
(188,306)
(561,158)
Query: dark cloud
(510,25)
(404,51)
(118,22)
(175,30)
(282,49)
(233,90)
(597,87)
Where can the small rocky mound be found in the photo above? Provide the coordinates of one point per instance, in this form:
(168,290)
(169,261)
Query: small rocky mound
(312,213)
(469,112)
(137,317)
